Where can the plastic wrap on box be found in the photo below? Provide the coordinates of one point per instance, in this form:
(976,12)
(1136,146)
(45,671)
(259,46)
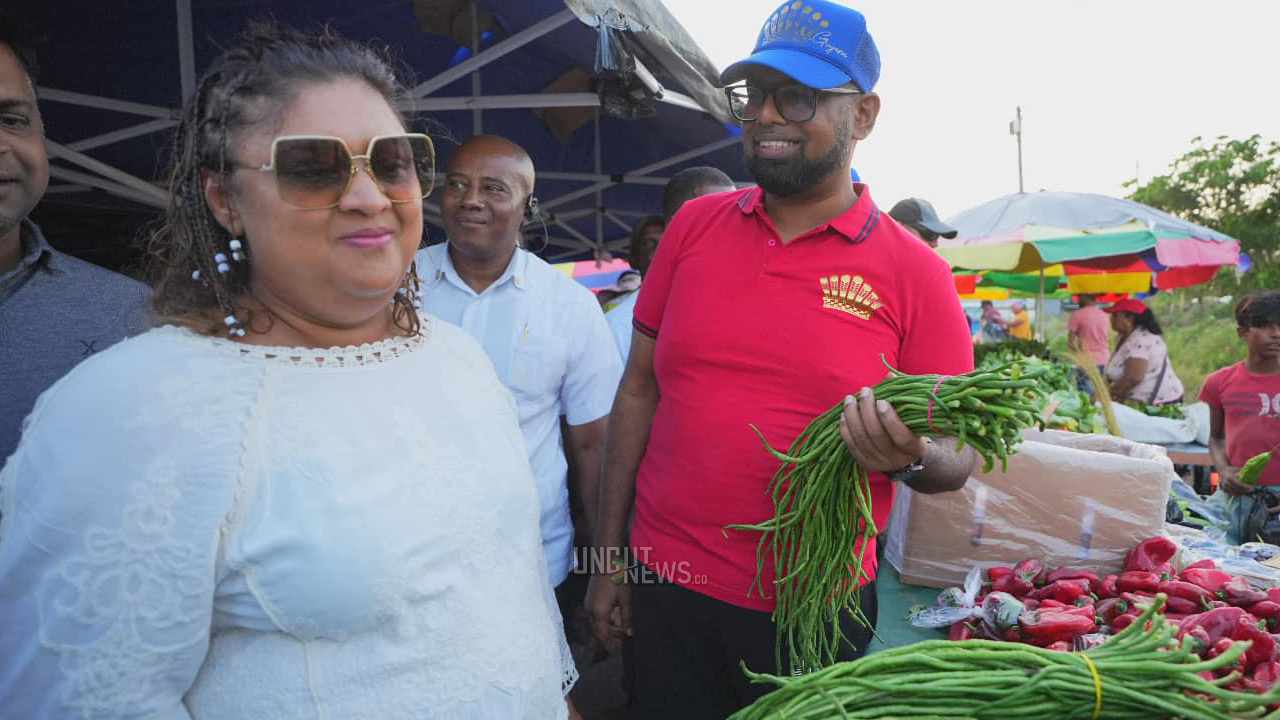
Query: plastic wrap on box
(1071,499)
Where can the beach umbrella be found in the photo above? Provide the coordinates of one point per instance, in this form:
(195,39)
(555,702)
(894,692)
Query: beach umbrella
(1103,244)
(593,274)
(1026,232)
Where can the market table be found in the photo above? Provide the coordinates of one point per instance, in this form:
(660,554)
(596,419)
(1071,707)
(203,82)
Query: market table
(895,603)
(1197,456)
(1188,453)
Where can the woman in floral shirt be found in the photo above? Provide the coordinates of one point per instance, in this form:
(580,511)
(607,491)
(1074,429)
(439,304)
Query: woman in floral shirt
(1139,370)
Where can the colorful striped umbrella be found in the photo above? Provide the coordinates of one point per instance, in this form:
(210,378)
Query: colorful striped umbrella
(593,275)
(1102,244)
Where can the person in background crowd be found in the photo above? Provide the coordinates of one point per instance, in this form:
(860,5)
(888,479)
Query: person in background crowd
(544,332)
(1087,330)
(1244,398)
(919,217)
(1087,339)
(992,325)
(683,186)
(607,296)
(691,183)
(644,242)
(628,282)
(1019,325)
(55,310)
(1139,370)
(301,499)
(764,306)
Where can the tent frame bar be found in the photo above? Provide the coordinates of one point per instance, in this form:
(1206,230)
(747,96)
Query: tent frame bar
(133,131)
(160,198)
(501,102)
(186,49)
(479,60)
(106,103)
(652,167)
(112,188)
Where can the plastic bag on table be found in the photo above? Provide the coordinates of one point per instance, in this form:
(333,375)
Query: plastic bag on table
(1205,512)
(1259,550)
(1140,427)
(1087,642)
(953,604)
(1238,560)
(1244,518)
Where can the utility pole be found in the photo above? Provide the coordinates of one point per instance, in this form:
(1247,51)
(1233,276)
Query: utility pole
(1015,128)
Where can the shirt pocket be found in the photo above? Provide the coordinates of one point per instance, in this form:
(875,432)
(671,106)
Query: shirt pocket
(539,368)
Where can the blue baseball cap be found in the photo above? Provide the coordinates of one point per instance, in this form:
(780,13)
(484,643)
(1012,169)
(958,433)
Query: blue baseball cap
(819,43)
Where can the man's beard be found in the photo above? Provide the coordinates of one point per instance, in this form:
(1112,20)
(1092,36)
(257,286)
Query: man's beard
(788,178)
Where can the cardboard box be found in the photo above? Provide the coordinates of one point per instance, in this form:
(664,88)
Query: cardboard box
(1072,499)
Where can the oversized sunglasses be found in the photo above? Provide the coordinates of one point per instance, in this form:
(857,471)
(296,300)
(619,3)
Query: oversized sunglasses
(313,172)
(795,103)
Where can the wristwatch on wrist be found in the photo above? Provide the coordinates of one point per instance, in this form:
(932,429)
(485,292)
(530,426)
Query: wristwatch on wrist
(909,471)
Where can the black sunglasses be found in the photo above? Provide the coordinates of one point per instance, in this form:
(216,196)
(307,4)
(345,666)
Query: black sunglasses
(795,103)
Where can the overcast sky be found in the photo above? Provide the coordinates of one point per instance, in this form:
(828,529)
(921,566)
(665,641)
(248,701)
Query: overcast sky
(1108,89)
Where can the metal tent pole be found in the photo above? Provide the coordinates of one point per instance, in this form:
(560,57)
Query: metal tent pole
(1040,307)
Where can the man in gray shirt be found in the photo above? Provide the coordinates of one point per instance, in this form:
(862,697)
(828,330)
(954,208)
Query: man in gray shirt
(55,310)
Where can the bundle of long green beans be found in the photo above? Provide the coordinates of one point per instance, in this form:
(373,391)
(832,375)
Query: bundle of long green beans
(822,498)
(1140,673)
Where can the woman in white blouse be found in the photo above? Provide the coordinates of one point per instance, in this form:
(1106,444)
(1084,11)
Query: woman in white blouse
(1139,370)
(300,498)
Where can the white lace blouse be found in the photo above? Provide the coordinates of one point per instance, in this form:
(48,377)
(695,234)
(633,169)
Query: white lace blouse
(199,528)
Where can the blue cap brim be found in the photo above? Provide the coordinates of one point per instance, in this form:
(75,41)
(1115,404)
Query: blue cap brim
(805,68)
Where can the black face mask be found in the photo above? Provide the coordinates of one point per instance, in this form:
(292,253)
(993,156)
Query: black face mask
(788,178)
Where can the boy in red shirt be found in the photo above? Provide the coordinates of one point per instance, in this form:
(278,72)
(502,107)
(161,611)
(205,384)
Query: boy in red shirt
(1244,398)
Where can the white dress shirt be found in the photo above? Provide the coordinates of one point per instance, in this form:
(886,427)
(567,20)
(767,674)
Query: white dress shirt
(550,346)
(619,321)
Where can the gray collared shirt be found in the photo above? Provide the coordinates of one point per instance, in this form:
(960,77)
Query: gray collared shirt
(55,311)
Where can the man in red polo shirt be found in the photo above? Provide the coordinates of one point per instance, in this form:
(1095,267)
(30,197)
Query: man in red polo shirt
(764,306)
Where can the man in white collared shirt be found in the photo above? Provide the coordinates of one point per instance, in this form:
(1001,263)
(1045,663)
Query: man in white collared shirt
(544,332)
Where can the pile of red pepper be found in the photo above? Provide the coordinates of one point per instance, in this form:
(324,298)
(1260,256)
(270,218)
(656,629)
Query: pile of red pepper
(1068,609)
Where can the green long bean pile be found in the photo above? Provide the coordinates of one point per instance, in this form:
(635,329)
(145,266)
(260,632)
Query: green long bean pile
(822,498)
(1143,673)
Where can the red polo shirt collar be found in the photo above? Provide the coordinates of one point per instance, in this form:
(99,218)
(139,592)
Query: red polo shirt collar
(855,224)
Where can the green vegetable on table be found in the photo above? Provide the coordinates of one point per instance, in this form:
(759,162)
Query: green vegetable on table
(1141,673)
(822,498)
(1171,411)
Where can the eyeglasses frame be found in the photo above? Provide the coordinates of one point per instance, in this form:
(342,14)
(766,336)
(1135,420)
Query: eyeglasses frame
(770,93)
(355,167)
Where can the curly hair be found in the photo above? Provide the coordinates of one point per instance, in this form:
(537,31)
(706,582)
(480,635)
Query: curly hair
(248,85)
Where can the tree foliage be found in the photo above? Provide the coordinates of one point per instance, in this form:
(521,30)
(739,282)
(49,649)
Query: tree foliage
(1232,186)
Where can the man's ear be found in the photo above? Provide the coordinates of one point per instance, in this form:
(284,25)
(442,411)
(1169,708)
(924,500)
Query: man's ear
(218,197)
(865,111)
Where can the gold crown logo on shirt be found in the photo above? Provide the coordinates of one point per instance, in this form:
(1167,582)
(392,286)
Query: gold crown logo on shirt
(849,293)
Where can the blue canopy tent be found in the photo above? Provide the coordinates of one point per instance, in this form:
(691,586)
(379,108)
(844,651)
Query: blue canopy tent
(610,97)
